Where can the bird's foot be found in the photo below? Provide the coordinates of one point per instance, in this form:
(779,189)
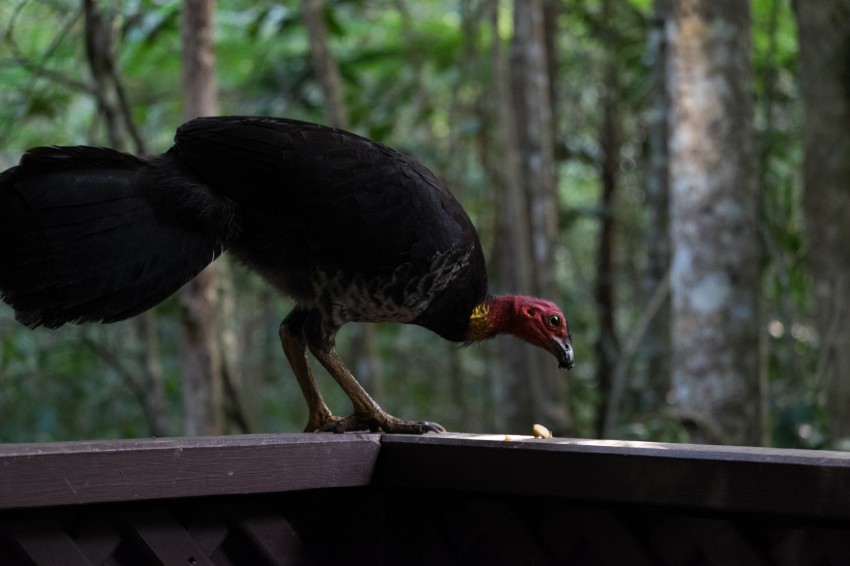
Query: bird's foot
(319,417)
(319,423)
(379,422)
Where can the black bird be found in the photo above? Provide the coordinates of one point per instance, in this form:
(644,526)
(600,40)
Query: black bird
(350,229)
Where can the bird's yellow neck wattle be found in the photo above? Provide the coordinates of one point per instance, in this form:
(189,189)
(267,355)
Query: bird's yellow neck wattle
(480,326)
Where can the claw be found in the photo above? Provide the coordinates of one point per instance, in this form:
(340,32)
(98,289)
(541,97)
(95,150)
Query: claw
(428,426)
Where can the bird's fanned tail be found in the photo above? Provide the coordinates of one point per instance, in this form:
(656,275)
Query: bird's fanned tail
(81,241)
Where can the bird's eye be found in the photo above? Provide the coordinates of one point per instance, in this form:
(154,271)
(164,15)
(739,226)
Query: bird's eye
(554,321)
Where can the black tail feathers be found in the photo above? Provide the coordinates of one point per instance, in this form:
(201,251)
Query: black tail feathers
(83,237)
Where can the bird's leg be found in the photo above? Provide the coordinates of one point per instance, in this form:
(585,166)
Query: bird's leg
(367,413)
(292,341)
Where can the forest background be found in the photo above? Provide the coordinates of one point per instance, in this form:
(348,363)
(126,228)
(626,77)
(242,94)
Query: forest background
(673,173)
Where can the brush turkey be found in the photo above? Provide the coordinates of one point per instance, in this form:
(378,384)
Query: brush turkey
(350,229)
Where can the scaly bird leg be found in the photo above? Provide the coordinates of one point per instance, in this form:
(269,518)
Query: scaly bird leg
(367,413)
(292,341)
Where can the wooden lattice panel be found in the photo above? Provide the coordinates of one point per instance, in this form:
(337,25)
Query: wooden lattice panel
(474,529)
(389,526)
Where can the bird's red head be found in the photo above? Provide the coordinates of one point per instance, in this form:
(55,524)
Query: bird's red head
(536,321)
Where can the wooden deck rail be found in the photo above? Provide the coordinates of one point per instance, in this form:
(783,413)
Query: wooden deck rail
(69,473)
(435,499)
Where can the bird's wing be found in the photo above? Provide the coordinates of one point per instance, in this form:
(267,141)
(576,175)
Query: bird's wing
(347,201)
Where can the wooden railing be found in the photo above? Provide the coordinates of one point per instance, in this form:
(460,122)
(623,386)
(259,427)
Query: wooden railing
(434,499)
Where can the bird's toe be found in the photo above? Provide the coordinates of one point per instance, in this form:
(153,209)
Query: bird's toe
(379,422)
(395,425)
(428,426)
(353,423)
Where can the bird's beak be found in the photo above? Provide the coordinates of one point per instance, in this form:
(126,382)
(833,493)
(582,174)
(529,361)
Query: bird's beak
(564,352)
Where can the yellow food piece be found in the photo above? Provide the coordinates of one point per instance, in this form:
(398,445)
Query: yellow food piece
(540,431)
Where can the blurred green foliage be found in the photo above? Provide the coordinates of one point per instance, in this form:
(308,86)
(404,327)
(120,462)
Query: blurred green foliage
(417,76)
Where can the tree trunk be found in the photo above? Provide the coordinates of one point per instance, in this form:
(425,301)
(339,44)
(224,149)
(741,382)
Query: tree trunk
(501,164)
(200,354)
(200,91)
(324,63)
(99,54)
(510,259)
(714,273)
(153,383)
(657,345)
(109,92)
(824,36)
(537,390)
(607,344)
(238,414)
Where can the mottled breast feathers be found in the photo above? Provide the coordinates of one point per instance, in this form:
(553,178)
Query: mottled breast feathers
(341,223)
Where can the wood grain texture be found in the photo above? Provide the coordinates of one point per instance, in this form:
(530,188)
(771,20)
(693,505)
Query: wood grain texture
(37,475)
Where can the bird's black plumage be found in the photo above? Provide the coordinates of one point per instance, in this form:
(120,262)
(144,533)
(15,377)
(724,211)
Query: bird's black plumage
(79,241)
(350,229)
(341,223)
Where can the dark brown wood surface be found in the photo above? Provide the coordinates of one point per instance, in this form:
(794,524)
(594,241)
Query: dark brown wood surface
(713,477)
(446,499)
(801,482)
(38,475)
